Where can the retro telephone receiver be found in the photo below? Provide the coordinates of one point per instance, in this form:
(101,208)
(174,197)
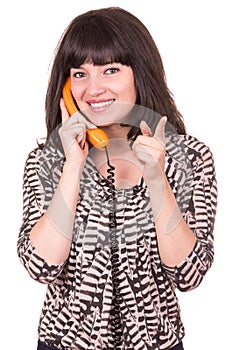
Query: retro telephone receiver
(97,137)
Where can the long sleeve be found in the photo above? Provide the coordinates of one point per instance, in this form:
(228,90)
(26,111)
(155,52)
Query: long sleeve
(33,209)
(200,216)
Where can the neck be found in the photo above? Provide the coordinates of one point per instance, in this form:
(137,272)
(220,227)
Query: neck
(116,131)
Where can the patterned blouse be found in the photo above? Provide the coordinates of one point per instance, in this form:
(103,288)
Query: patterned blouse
(78,311)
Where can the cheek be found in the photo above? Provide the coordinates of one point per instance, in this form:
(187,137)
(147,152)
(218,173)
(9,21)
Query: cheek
(77,97)
(77,93)
(78,89)
(131,89)
(131,94)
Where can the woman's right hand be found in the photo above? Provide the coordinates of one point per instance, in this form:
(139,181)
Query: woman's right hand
(73,135)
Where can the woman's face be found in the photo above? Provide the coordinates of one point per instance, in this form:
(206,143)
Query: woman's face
(104,93)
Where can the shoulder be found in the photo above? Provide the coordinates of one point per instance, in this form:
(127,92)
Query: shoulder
(188,144)
(31,166)
(200,156)
(48,151)
(185,151)
(33,156)
(192,142)
(196,149)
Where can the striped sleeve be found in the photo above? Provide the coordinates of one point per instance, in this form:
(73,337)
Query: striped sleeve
(33,209)
(200,217)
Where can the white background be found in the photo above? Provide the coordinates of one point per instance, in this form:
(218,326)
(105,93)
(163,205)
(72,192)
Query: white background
(194,39)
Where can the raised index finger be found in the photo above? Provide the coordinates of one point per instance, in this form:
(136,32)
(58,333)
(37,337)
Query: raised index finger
(160,130)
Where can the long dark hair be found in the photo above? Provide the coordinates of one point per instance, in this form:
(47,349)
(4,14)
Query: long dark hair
(112,34)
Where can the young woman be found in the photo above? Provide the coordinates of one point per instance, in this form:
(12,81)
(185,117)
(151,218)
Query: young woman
(113,233)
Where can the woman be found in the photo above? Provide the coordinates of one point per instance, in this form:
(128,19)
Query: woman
(114,233)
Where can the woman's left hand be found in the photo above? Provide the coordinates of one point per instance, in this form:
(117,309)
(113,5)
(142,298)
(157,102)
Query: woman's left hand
(150,149)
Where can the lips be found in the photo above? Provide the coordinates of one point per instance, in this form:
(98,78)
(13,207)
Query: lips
(100,104)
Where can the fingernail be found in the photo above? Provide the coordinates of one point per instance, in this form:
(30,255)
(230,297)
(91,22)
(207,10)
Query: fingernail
(91,126)
(143,123)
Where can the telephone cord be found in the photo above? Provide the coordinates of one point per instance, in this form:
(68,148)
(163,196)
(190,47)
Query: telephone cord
(115,262)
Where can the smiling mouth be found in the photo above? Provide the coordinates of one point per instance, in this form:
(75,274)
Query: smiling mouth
(101,104)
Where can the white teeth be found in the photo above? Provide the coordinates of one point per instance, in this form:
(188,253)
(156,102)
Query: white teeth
(101,104)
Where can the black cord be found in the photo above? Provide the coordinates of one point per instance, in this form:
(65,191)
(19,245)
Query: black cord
(116,313)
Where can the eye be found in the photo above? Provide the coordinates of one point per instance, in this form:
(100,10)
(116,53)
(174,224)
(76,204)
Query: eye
(111,70)
(79,74)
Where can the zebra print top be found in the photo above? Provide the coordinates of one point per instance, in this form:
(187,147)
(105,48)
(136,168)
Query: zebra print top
(77,311)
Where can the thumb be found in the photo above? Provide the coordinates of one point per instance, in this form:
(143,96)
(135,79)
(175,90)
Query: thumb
(160,130)
(145,129)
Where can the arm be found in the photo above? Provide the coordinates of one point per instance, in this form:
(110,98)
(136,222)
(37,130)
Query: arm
(185,254)
(49,234)
(175,239)
(33,210)
(52,234)
(200,217)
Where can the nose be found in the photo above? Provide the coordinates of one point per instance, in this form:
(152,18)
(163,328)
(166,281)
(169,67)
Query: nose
(96,86)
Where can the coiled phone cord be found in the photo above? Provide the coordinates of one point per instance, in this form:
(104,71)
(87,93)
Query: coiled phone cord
(117,324)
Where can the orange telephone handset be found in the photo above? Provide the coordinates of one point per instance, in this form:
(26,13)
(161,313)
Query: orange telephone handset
(97,137)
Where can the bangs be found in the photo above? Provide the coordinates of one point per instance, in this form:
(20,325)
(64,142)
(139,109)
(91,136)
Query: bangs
(95,42)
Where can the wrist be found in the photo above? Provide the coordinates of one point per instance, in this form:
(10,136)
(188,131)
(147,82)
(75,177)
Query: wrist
(157,181)
(71,175)
(73,165)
